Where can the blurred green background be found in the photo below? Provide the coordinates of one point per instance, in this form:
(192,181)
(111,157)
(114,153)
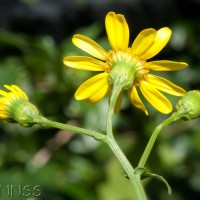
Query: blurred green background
(44,163)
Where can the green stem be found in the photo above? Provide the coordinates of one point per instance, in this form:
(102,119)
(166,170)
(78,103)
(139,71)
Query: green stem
(113,99)
(46,122)
(133,177)
(109,139)
(174,117)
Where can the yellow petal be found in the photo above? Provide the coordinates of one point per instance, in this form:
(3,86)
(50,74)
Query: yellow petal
(99,94)
(10,88)
(3,116)
(3,93)
(16,92)
(162,37)
(143,41)
(135,99)
(155,98)
(89,46)
(91,86)
(165,65)
(119,102)
(84,63)
(13,94)
(20,92)
(165,85)
(117,30)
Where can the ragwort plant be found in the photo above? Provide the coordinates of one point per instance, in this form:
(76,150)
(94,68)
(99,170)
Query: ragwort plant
(122,68)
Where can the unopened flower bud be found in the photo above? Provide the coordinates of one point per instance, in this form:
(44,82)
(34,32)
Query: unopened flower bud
(189,105)
(15,107)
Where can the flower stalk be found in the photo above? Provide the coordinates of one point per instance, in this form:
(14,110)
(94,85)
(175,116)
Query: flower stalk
(187,108)
(174,117)
(113,100)
(129,170)
(49,123)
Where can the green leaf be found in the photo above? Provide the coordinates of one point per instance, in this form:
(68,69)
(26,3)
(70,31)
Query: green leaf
(144,174)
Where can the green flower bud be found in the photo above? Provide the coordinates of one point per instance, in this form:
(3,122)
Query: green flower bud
(23,112)
(189,105)
(15,107)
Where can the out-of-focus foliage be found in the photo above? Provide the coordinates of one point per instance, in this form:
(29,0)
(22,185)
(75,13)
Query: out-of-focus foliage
(34,38)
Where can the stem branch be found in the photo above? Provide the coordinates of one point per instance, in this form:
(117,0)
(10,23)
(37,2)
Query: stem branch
(46,122)
(174,117)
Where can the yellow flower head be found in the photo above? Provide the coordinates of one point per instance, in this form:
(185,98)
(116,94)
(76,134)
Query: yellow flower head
(15,106)
(126,65)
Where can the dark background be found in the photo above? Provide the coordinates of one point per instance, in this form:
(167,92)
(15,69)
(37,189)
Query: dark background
(35,36)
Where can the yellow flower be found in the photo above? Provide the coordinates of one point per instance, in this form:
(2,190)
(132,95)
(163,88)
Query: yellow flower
(129,64)
(15,106)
